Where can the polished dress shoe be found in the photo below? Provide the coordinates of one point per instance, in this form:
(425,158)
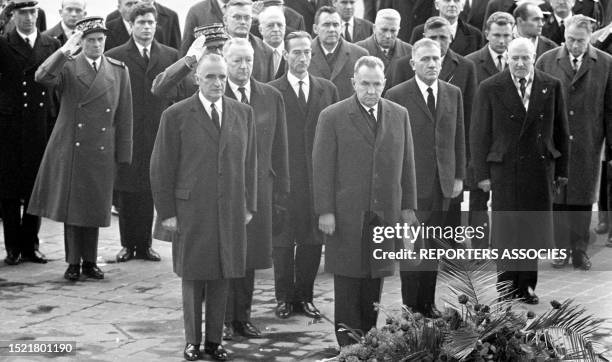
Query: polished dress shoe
(246,329)
(73,272)
(192,352)
(124,255)
(283,310)
(308,309)
(92,271)
(432,312)
(36,257)
(228,332)
(216,351)
(581,260)
(148,254)
(530,299)
(12,258)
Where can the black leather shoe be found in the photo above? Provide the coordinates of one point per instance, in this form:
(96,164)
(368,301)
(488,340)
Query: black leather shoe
(148,254)
(308,309)
(36,257)
(73,272)
(12,258)
(92,271)
(228,332)
(601,228)
(432,312)
(581,260)
(124,255)
(283,310)
(216,351)
(192,352)
(246,329)
(530,299)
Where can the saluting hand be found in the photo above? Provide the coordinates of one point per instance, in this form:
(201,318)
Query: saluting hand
(197,48)
(73,44)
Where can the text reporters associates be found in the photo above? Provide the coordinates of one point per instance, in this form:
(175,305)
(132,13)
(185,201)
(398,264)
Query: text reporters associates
(469,254)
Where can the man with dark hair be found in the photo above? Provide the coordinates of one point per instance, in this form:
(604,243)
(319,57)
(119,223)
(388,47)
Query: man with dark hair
(145,58)
(353,29)
(465,38)
(333,57)
(93,134)
(24,128)
(204,182)
(384,43)
(436,119)
(363,177)
(167,32)
(586,74)
(529,22)
(7,24)
(71,12)
(297,245)
(272,181)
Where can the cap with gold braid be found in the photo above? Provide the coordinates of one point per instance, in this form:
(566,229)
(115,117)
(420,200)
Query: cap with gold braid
(214,33)
(267,3)
(92,24)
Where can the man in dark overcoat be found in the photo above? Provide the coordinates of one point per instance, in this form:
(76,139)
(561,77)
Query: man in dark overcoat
(436,119)
(71,12)
(363,177)
(352,28)
(384,43)
(520,151)
(168,31)
(93,133)
(333,58)
(145,58)
(24,123)
(204,182)
(204,12)
(586,74)
(272,177)
(297,249)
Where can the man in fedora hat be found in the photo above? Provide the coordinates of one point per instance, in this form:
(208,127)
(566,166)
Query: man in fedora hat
(93,133)
(24,122)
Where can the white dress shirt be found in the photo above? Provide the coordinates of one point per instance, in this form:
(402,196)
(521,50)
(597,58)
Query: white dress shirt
(294,82)
(67,31)
(31,38)
(218,107)
(423,88)
(559,19)
(528,85)
(579,63)
(367,109)
(494,55)
(247,89)
(453,29)
(98,61)
(128,27)
(141,48)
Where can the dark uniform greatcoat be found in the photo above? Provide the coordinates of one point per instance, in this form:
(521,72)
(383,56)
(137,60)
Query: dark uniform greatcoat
(24,112)
(206,178)
(92,133)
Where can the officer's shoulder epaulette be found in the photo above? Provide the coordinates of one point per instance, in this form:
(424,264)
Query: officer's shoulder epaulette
(116,62)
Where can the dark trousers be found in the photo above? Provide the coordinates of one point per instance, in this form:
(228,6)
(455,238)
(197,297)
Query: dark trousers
(419,284)
(135,219)
(479,216)
(354,300)
(453,218)
(20,228)
(81,243)
(520,280)
(604,188)
(295,271)
(572,224)
(214,292)
(240,297)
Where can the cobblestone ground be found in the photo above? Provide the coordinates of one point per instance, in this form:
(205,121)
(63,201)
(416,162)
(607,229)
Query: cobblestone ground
(134,314)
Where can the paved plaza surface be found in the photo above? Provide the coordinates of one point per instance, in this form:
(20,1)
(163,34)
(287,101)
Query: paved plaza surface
(134,314)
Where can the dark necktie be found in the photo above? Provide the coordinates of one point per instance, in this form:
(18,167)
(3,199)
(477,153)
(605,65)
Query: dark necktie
(347,35)
(431,102)
(372,119)
(500,64)
(522,87)
(145,55)
(27,40)
(562,27)
(95,66)
(243,96)
(215,116)
(301,95)
(575,65)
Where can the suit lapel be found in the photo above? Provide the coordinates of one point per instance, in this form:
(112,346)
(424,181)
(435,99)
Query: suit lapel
(441,102)
(342,58)
(447,73)
(487,61)
(154,56)
(382,124)
(201,117)
(84,72)
(102,80)
(416,94)
(227,122)
(135,55)
(360,122)
(314,93)
(510,98)
(564,63)
(587,63)
(318,58)
(19,45)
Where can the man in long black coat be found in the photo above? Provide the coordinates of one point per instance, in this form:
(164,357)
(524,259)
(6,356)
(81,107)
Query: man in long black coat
(71,12)
(24,122)
(298,244)
(520,150)
(145,58)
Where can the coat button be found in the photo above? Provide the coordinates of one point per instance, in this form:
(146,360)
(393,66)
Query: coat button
(103,129)
(41,104)
(539,135)
(571,113)
(571,138)
(80,125)
(25,94)
(25,105)
(542,157)
(24,83)
(77,144)
(43,93)
(107,110)
(101,148)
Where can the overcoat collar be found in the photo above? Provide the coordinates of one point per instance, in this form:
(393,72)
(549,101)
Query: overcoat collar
(201,117)
(563,61)
(97,83)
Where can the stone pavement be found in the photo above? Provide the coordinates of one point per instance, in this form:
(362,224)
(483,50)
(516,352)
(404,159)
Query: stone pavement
(134,314)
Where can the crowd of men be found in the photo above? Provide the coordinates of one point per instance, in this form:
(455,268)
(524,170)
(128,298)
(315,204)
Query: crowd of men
(270,129)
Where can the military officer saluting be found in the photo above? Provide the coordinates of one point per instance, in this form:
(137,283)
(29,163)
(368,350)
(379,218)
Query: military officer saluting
(92,133)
